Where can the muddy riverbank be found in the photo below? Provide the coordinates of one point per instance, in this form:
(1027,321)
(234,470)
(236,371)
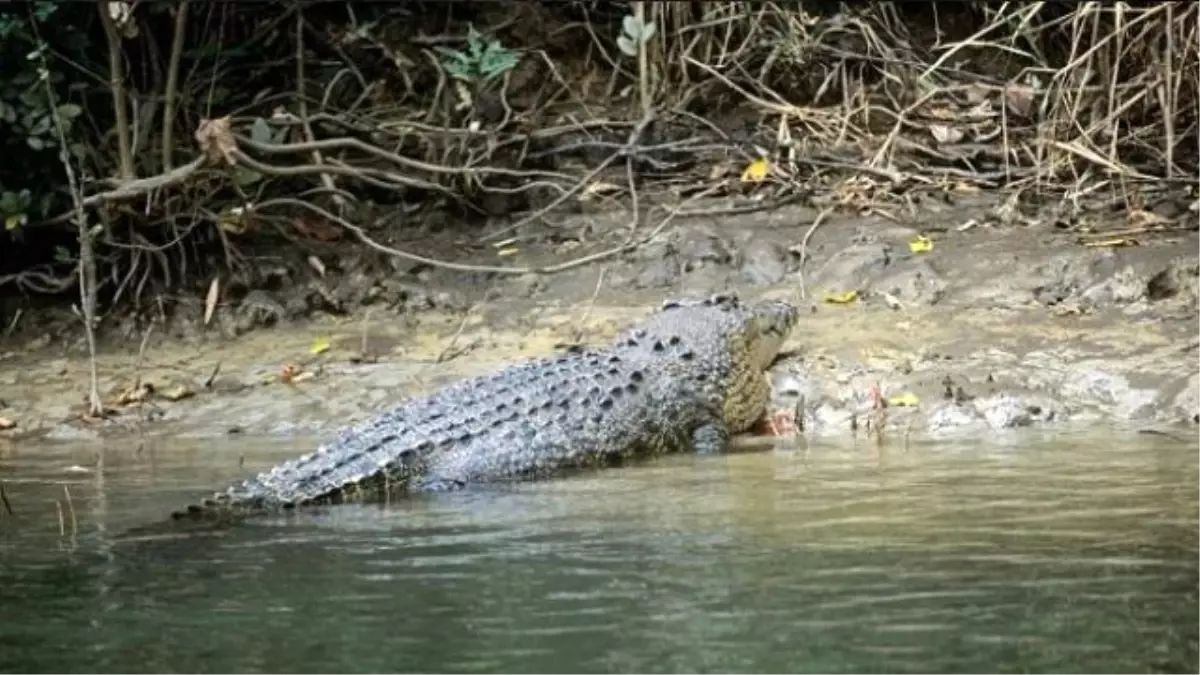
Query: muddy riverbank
(961,321)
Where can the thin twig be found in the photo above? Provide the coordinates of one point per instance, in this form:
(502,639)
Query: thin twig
(577,336)
(4,500)
(302,103)
(171,89)
(448,352)
(71,510)
(804,245)
(87,261)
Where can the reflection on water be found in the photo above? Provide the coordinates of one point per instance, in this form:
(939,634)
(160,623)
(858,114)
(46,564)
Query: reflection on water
(1076,555)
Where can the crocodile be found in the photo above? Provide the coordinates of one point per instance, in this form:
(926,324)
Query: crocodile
(685,378)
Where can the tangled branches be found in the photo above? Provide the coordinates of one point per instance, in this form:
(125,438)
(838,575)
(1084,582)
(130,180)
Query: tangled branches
(667,102)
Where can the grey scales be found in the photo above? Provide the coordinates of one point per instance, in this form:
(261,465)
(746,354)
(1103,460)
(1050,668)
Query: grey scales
(684,379)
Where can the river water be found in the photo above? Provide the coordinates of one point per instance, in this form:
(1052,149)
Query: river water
(1068,554)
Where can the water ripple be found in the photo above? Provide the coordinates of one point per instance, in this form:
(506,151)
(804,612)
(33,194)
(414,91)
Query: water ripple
(1075,555)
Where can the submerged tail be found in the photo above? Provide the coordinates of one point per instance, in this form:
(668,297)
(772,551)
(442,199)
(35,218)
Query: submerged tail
(372,459)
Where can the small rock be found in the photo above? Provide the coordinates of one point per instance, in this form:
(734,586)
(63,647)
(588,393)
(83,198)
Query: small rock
(763,262)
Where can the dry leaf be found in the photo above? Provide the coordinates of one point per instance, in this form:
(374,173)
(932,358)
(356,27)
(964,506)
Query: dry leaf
(317,228)
(215,137)
(977,93)
(289,373)
(905,400)
(315,263)
(178,393)
(135,393)
(944,134)
(232,220)
(1112,243)
(1143,218)
(1019,99)
(6,424)
(597,189)
(210,301)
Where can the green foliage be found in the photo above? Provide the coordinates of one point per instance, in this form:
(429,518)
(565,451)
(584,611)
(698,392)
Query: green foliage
(482,62)
(634,34)
(28,133)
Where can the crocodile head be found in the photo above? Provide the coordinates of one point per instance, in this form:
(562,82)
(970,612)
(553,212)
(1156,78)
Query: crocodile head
(720,346)
(755,332)
(768,325)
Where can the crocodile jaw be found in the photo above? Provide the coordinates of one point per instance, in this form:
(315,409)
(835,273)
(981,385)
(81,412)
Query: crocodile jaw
(773,323)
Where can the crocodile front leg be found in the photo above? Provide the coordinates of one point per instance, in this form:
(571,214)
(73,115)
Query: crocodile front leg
(710,438)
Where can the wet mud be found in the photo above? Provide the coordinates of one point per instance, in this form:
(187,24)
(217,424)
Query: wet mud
(952,321)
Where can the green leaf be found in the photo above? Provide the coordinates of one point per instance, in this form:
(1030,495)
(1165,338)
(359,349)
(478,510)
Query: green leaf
(260,131)
(631,26)
(35,143)
(69,111)
(245,177)
(41,126)
(626,46)
(14,222)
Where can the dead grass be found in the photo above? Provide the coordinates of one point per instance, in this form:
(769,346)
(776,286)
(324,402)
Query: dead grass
(1041,95)
(873,103)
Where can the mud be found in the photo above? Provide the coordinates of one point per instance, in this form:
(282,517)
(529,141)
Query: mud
(1004,323)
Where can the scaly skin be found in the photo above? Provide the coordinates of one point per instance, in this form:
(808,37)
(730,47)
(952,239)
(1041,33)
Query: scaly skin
(686,378)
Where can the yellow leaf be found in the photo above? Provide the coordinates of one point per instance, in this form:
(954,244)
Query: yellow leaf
(756,171)
(905,400)
(232,221)
(319,346)
(841,298)
(921,244)
(14,221)
(1112,243)
(210,300)
(178,393)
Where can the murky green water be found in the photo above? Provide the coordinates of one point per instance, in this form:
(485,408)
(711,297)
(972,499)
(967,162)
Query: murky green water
(1075,555)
